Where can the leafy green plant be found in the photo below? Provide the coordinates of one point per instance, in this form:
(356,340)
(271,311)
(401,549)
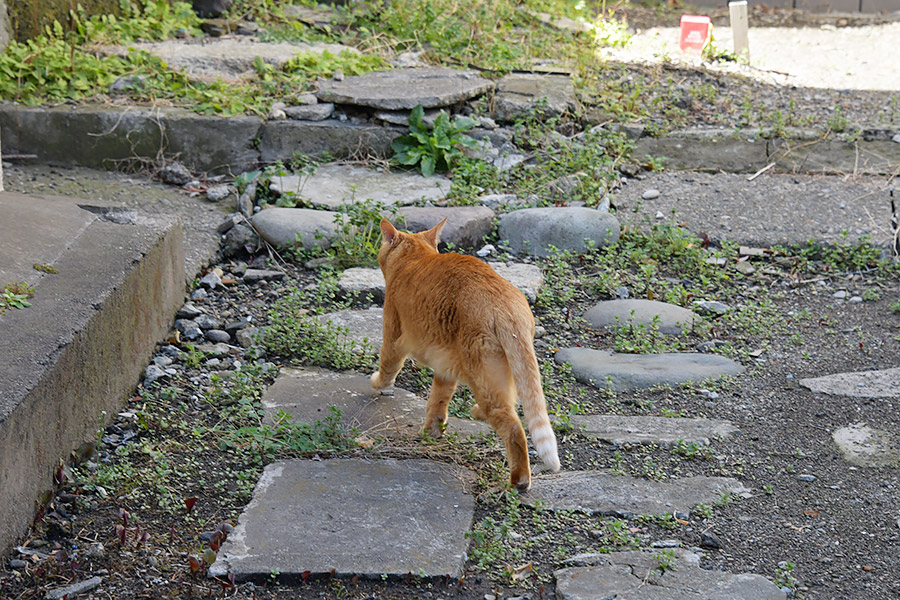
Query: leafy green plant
(432,148)
(326,64)
(15,295)
(665,560)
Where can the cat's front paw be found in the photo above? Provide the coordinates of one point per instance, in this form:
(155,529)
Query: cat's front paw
(376,382)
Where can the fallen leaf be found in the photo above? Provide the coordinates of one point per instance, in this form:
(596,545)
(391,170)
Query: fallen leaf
(682,521)
(189,503)
(521,572)
(194,563)
(811,513)
(364,441)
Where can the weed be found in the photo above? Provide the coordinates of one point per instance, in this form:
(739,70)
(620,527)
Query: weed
(837,122)
(432,148)
(784,575)
(45,268)
(325,64)
(15,295)
(665,560)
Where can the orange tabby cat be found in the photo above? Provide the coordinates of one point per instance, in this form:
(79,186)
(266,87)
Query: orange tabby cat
(455,314)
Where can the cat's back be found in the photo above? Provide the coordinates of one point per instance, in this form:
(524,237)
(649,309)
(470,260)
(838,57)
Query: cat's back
(461,277)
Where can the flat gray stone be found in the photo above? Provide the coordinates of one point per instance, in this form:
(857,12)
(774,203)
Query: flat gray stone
(361,281)
(334,185)
(662,431)
(671,319)
(281,226)
(466,225)
(597,492)
(528,278)
(636,576)
(626,372)
(534,230)
(859,384)
(310,112)
(404,89)
(361,326)
(867,447)
(307,394)
(519,93)
(229,58)
(353,517)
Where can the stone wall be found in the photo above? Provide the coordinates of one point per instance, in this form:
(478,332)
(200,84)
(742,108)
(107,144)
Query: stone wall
(5,30)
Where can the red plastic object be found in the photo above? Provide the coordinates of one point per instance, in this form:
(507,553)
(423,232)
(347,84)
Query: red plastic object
(695,30)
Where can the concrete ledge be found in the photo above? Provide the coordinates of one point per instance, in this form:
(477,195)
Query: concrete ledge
(101,137)
(800,151)
(79,350)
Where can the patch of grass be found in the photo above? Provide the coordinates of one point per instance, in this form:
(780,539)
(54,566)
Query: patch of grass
(325,64)
(15,295)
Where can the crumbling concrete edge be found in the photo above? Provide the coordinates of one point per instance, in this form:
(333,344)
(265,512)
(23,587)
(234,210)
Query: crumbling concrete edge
(93,372)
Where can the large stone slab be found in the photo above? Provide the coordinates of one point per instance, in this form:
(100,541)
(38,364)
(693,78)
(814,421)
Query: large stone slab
(671,319)
(404,89)
(637,576)
(361,326)
(352,517)
(466,225)
(626,372)
(281,140)
(662,431)
(281,226)
(331,186)
(859,384)
(519,93)
(81,347)
(528,278)
(867,447)
(307,394)
(535,230)
(228,58)
(362,281)
(596,492)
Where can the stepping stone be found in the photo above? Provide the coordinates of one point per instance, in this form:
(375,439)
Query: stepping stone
(281,226)
(864,446)
(526,278)
(860,384)
(335,185)
(404,89)
(362,281)
(362,326)
(671,319)
(307,394)
(628,372)
(228,58)
(352,517)
(597,492)
(519,93)
(466,225)
(534,230)
(637,576)
(662,431)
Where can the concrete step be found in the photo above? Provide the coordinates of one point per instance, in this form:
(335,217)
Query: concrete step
(80,348)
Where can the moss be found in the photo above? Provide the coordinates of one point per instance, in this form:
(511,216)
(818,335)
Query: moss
(29,17)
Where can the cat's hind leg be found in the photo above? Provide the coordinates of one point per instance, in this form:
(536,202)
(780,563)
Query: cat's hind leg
(391,358)
(442,390)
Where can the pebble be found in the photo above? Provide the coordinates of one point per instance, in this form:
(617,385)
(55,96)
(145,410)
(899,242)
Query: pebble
(257,275)
(211,280)
(711,307)
(152,373)
(486,250)
(659,216)
(162,361)
(218,193)
(175,174)
(539,332)
(17,564)
(666,544)
(188,311)
(839,295)
(70,591)
(807,478)
(708,540)
(710,345)
(855,299)
(205,322)
(622,293)
(218,336)
(650,194)
(199,294)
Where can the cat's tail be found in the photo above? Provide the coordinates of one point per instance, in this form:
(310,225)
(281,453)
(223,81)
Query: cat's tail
(519,350)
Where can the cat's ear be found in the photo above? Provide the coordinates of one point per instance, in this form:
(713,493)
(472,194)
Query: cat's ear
(433,235)
(388,233)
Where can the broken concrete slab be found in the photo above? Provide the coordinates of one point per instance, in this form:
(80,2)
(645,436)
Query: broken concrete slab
(352,517)
(281,140)
(83,344)
(519,93)
(597,492)
(670,318)
(226,58)
(528,278)
(860,384)
(334,185)
(535,230)
(662,431)
(308,394)
(363,327)
(637,575)
(404,89)
(865,446)
(282,226)
(466,225)
(627,372)
(363,281)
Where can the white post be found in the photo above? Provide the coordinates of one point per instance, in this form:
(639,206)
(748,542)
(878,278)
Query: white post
(739,28)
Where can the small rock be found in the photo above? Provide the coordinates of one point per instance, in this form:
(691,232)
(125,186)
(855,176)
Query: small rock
(175,173)
(205,322)
(622,293)
(650,194)
(162,361)
(211,280)
(255,275)
(247,337)
(744,267)
(247,199)
(214,350)
(95,551)
(709,540)
(218,193)
(240,238)
(495,201)
(539,332)
(711,307)
(188,311)
(630,169)
(229,222)
(236,326)
(840,295)
(152,373)
(217,336)
(855,299)
(486,250)
(310,112)
(896,138)
(659,216)
(666,544)
(70,591)
(17,564)
(807,478)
